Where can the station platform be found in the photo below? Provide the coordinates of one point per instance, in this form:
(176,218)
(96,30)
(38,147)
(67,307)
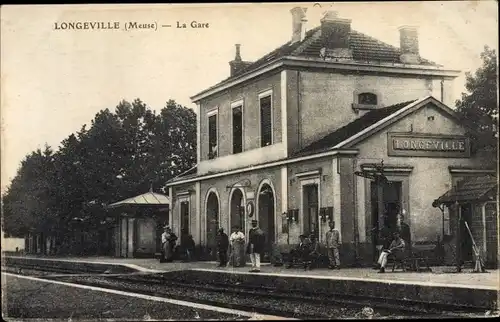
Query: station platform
(443,287)
(440,275)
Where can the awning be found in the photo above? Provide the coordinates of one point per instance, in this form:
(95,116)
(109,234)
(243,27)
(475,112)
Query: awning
(146,199)
(476,189)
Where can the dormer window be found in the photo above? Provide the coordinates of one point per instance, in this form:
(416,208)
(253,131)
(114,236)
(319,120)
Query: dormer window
(367,99)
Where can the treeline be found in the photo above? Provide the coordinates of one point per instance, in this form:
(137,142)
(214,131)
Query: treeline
(122,154)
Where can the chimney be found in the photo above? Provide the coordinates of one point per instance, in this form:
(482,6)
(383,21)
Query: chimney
(237,65)
(408,42)
(238,54)
(335,33)
(298,24)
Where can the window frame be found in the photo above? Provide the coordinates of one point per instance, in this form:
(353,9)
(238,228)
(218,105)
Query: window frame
(183,197)
(214,112)
(357,106)
(264,94)
(366,93)
(236,104)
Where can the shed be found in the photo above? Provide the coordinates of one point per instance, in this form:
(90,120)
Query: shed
(475,201)
(140,222)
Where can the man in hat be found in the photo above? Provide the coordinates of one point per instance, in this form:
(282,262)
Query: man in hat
(188,245)
(300,252)
(396,249)
(222,246)
(332,246)
(256,241)
(314,251)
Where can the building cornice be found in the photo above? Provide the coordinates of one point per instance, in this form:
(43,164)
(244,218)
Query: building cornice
(264,166)
(295,62)
(392,68)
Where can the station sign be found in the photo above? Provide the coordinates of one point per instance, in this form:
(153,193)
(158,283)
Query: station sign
(428,145)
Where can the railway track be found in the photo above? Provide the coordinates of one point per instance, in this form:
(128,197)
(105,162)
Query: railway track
(323,299)
(264,300)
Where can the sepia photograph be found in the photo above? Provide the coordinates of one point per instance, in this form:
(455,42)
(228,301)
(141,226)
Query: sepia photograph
(249,161)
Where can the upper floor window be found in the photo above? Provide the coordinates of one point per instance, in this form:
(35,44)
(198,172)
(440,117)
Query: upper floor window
(367,99)
(237,121)
(266,126)
(212,135)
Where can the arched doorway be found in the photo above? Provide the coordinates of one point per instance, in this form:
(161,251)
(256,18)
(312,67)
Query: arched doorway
(237,211)
(212,224)
(266,216)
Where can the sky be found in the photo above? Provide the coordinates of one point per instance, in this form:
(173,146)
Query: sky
(55,81)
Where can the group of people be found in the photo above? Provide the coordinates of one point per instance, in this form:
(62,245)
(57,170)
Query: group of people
(169,245)
(236,244)
(308,250)
(393,242)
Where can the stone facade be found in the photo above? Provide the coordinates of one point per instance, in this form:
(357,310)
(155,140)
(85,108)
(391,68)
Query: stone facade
(293,192)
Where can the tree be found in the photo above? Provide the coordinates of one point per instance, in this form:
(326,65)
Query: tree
(478,107)
(120,155)
(176,136)
(28,205)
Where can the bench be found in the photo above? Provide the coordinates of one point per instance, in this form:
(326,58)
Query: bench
(418,261)
(311,262)
(412,263)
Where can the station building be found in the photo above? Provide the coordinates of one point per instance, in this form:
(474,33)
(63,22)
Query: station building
(286,140)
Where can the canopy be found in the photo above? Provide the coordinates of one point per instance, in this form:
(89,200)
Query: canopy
(146,199)
(475,189)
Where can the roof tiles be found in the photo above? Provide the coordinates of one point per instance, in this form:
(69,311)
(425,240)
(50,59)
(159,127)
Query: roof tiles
(364,49)
(473,189)
(352,128)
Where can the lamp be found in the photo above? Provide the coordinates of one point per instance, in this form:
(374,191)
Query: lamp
(293,216)
(326,214)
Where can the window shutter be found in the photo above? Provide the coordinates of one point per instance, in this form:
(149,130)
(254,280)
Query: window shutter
(237,130)
(265,121)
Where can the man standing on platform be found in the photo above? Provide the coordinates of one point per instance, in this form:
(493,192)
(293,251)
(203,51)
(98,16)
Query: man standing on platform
(255,245)
(222,246)
(332,245)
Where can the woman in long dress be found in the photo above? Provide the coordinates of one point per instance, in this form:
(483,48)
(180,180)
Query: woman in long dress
(237,242)
(168,240)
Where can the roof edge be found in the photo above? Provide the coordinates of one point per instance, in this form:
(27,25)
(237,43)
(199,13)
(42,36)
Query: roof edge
(381,123)
(417,104)
(319,63)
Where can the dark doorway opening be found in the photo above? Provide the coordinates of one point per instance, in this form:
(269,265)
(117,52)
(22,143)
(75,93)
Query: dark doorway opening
(466,241)
(385,205)
(237,211)
(310,204)
(212,224)
(184,219)
(266,217)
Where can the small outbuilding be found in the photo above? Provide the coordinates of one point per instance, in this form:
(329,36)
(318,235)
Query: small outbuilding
(472,202)
(139,224)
